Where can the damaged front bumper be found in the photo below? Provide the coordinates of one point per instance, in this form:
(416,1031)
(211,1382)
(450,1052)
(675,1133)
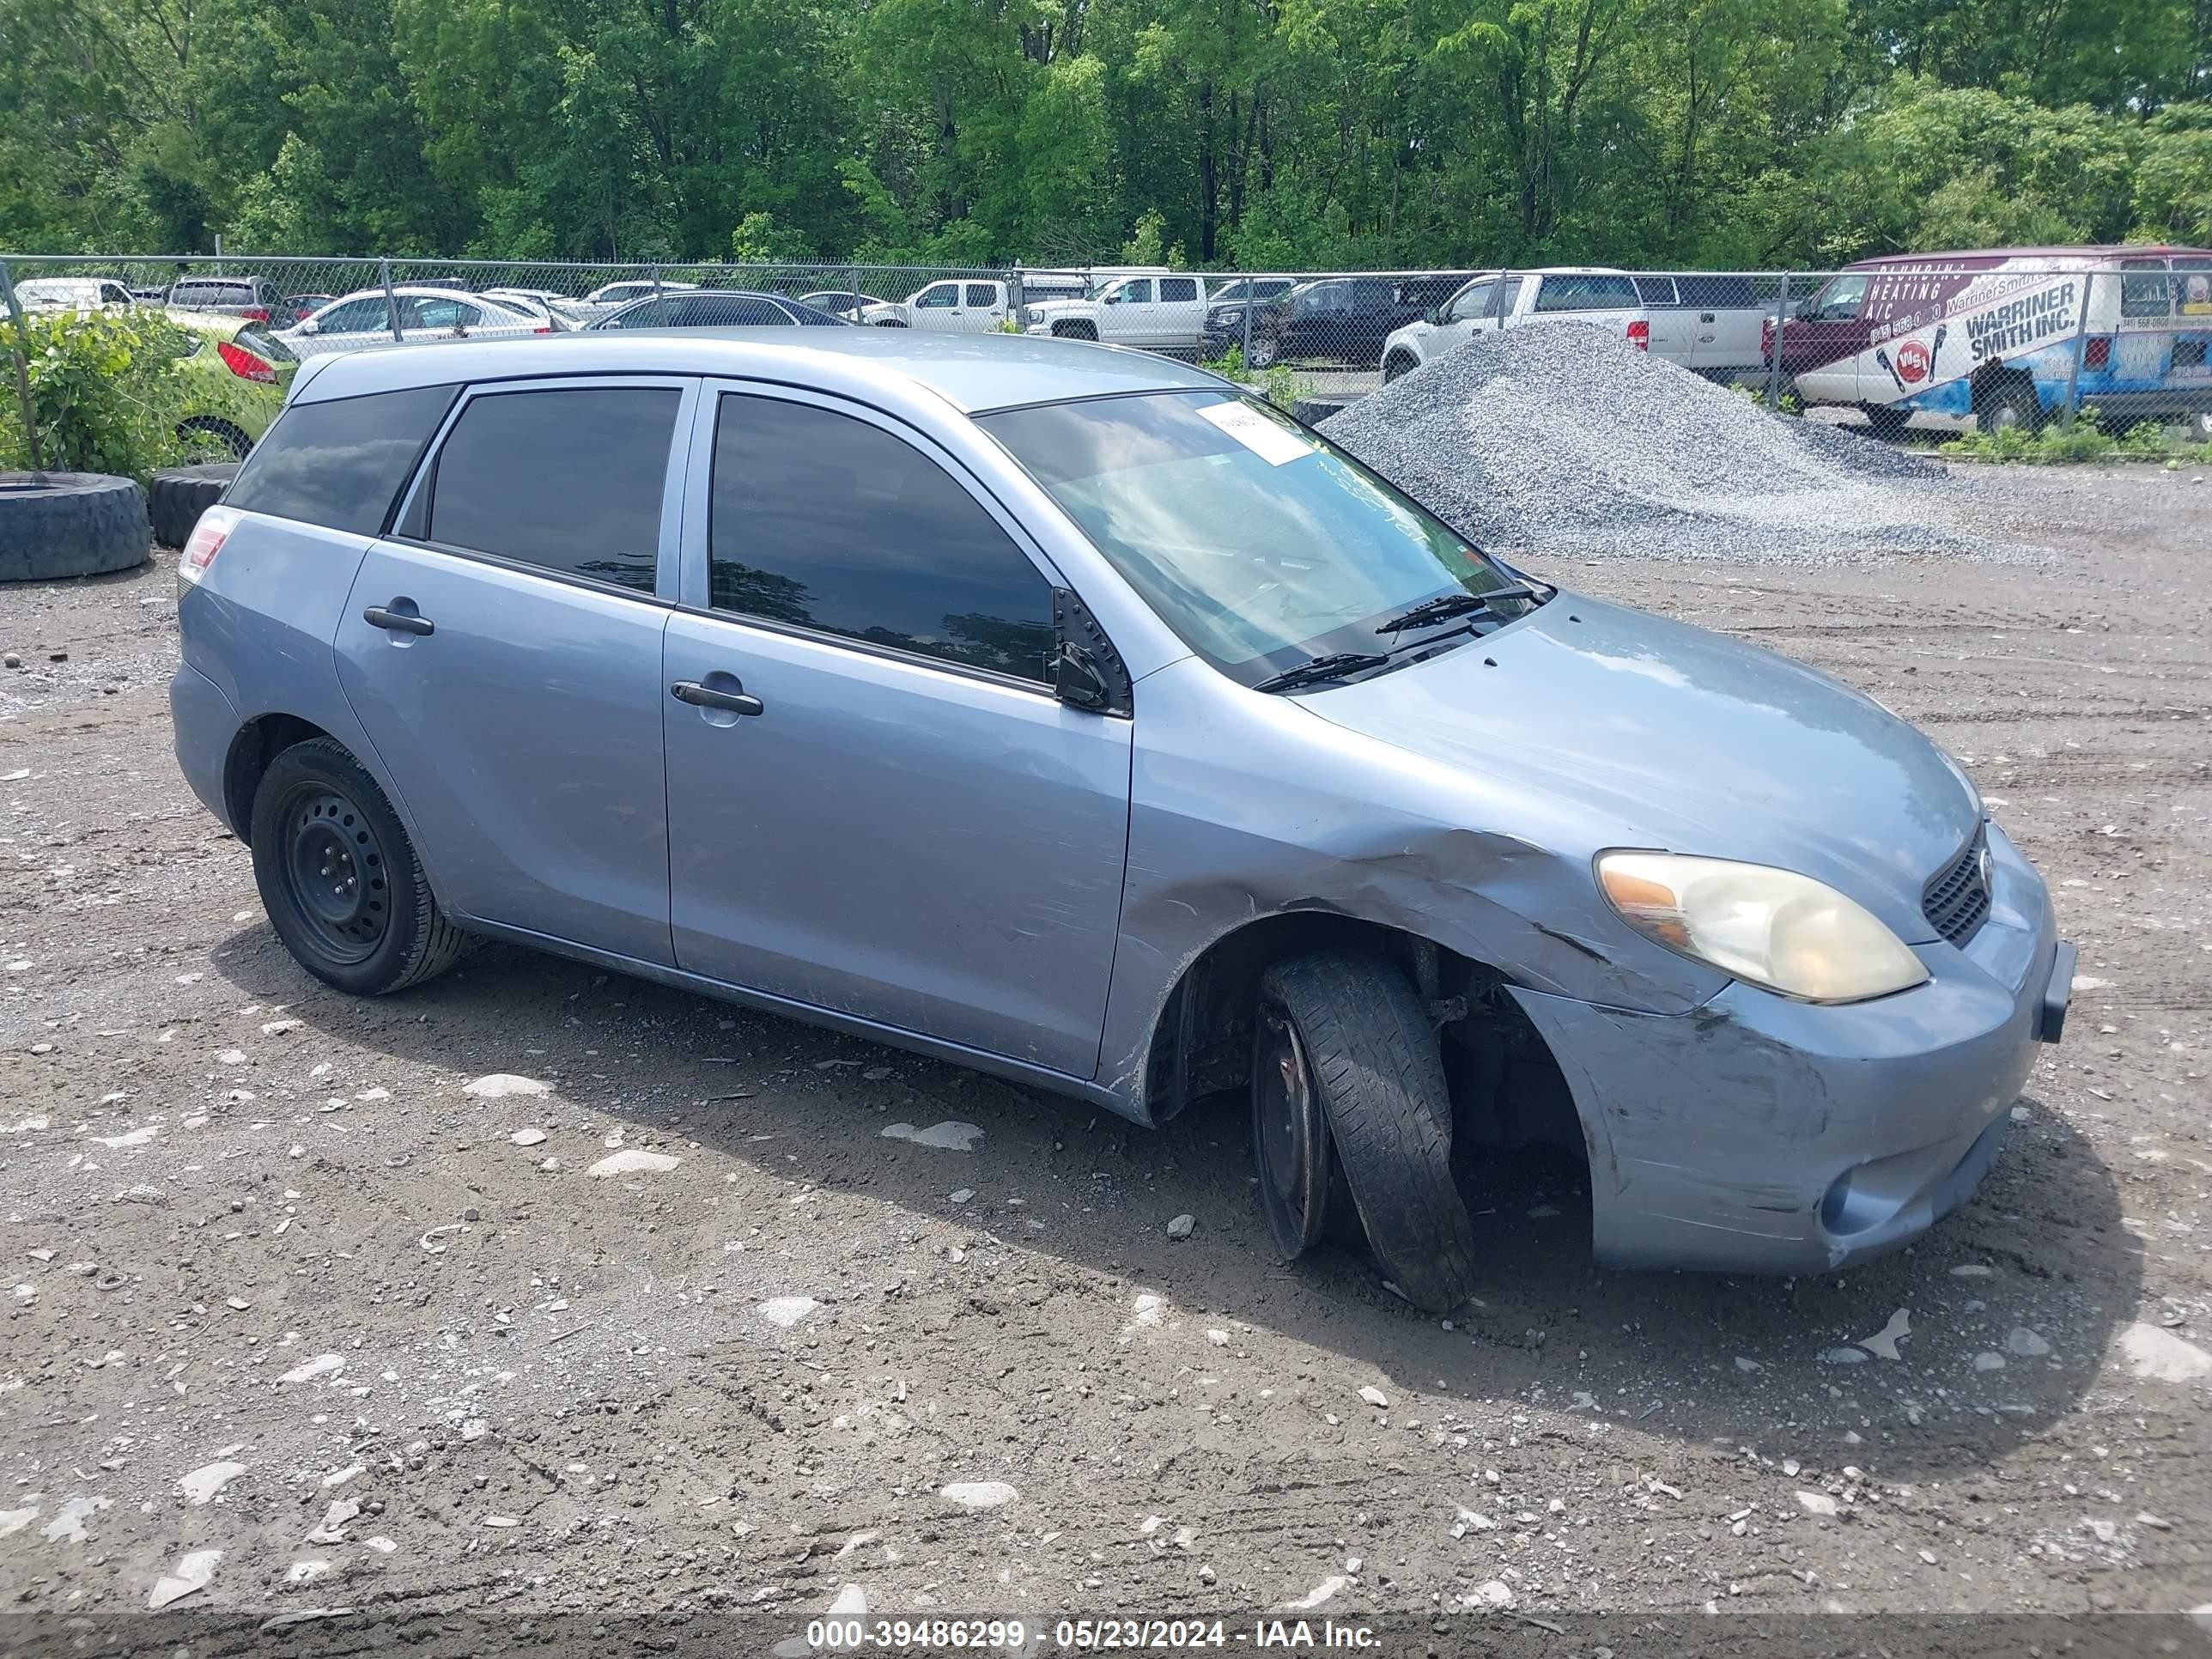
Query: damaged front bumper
(1760,1134)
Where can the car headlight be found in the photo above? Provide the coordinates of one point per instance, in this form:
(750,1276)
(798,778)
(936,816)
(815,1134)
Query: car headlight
(1775,928)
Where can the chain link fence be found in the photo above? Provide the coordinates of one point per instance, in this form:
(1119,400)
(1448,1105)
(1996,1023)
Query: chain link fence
(1944,343)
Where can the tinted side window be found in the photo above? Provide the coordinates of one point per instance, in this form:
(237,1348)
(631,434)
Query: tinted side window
(983,294)
(340,464)
(943,297)
(1655,290)
(1178,287)
(355,317)
(569,481)
(826,521)
(651,313)
(1586,293)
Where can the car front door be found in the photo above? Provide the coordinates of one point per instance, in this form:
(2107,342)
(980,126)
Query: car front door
(502,649)
(877,806)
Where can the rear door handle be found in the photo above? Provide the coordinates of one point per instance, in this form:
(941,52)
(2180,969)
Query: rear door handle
(708,697)
(398,621)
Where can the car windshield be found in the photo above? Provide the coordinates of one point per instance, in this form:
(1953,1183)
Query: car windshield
(1259,542)
(58,291)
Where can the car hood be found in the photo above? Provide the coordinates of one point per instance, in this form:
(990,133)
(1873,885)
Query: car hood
(1060,305)
(1620,729)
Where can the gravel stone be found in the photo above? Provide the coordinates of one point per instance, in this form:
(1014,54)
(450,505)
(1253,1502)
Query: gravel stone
(1560,437)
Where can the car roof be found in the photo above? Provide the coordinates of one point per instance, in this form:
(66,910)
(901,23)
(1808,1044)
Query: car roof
(2096,250)
(973,372)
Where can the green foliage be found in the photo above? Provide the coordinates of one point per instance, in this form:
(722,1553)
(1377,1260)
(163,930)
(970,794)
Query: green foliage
(1229,365)
(2084,441)
(1267,133)
(104,393)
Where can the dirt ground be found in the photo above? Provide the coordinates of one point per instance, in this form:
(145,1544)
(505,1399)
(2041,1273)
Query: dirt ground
(248,1222)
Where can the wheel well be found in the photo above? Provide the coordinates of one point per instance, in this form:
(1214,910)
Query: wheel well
(1400,356)
(1993,376)
(258,743)
(1507,1088)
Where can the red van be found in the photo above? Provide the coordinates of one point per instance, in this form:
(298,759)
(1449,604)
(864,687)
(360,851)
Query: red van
(2002,334)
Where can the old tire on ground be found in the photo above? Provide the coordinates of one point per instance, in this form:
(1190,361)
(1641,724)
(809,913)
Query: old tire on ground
(210,434)
(1380,1079)
(339,879)
(181,494)
(70,524)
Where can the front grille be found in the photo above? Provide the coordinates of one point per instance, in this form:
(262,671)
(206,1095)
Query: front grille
(1959,898)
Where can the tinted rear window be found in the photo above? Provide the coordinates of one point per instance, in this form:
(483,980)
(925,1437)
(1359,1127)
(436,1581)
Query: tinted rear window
(567,480)
(341,463)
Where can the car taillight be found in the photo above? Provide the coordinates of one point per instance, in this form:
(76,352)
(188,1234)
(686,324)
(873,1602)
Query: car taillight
(255,313)
(1766,339)
(543,328)
(1639,336)
(206,541)
(244,364)
(2097,352)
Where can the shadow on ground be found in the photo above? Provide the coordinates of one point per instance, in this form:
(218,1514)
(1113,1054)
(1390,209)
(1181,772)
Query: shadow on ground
(2008,1306)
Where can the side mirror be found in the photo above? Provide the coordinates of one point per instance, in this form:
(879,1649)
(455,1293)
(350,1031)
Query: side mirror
(309,325)
(1433,314)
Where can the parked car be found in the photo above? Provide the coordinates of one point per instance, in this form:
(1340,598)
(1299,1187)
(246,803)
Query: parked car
(840,303)
(427,315)
(1342,319)
(561,310)
(295,308)
(2000,334)
(718,308)
(235,375)
(1226,306)
(612,296)
(1497,300)
(1063,713)
(79,293)
(956,306)
(1163,312)
(254,298)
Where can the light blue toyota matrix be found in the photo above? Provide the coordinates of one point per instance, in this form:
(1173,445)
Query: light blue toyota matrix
(1063,712)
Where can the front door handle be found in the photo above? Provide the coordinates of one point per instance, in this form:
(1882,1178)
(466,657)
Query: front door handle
(708,697)
(398,621)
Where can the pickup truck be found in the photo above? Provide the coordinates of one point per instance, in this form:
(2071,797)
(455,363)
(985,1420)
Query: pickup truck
(1711,323)
(959,305)
(1160,310)
(1497,300)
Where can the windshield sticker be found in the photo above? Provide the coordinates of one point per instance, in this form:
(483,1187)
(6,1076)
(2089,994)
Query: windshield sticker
(1273,444)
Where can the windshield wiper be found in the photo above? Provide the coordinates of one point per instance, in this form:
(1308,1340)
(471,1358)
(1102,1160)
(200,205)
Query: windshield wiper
(1447,606)
(1333,666)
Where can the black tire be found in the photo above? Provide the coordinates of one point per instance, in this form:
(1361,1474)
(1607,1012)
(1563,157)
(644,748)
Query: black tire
(1396,366)
(2010,404)
(318,817)
(70,524)
(888,322)
(1381,1083)
(1265,351)
(1887,421)
(1074,331)
(181,493)
(212,435)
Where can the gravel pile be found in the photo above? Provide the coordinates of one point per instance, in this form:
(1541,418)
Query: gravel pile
(1560,437)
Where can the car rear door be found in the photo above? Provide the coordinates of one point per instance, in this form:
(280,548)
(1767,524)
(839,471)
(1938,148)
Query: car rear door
(876,805)
(1181,312)
(502,649)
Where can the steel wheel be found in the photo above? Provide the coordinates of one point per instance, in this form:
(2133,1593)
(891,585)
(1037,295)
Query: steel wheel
(333,872)
(1290,1137)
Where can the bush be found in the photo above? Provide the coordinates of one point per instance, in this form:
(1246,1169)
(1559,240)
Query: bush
(2084,441)
(104,395)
